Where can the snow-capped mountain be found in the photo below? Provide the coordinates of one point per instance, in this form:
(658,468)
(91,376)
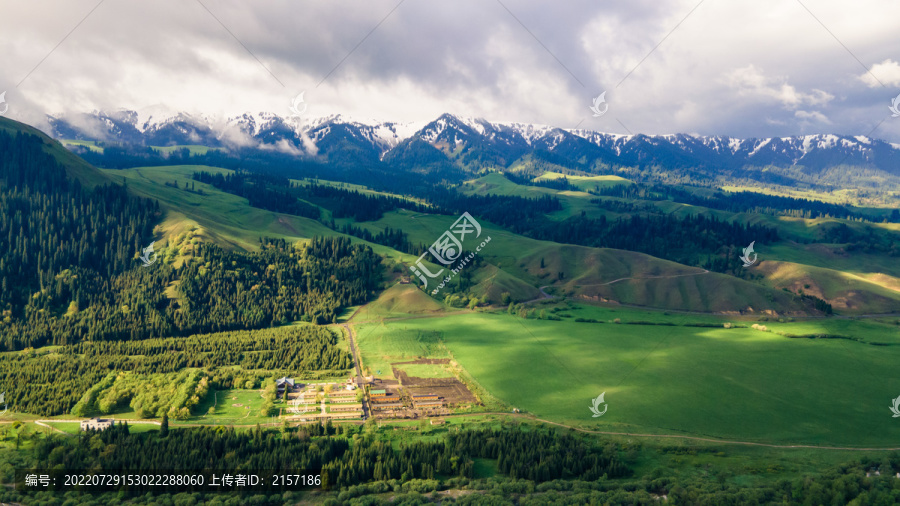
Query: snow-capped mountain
(468,142)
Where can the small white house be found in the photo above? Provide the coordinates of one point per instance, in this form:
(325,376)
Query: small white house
(97,424)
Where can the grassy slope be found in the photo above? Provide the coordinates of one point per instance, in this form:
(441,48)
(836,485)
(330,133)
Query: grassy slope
(75,166)
(400,300)
(90,145)
(193,149)
(586,182)
(515,268)
(734,383)
(227,219)
(846,291)
(223,218)
(873,279)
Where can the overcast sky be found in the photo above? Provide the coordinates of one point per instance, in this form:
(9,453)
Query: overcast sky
(744,68)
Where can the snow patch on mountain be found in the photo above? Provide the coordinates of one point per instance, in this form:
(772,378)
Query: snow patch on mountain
(291,134)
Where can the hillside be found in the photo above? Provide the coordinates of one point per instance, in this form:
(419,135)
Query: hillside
(865,286)
(75,167)
(207,214)
(456,146)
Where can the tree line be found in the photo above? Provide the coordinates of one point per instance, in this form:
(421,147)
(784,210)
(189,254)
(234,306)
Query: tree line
(265,191)
(740,202)
(215,290)
(50,224)
(538,455)
(29,378)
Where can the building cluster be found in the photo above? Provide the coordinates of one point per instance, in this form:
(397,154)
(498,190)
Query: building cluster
(97,424)
(336,401)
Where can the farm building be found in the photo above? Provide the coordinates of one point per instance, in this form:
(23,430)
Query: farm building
(346,407)
(283,384)
(428,404)
(378,393)
(97,424)
(351,414)
(425,397)
(342,393)
(387,405)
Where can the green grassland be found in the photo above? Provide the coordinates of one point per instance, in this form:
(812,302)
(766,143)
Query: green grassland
(74,428)
(840,196)
(397,301)
(871,286)
(514,267)
(193,149)
(381,345)
(227,219)
(426,370)
(848,292)
(800,229)
(210,215)
(573,202)
(586,183)
(230,407)
(738,383)
(354,187)
(90,145)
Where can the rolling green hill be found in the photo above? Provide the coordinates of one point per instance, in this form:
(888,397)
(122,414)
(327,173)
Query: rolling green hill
(857,282)
(223,218)
(75,166)
(514,262)
(586,182)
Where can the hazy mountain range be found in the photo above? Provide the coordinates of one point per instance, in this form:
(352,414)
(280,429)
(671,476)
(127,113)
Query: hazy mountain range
(477,141)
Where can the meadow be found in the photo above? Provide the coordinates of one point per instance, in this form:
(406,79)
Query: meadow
(230,407)
(211,215)
(585,183)
(380,345)
(737,383)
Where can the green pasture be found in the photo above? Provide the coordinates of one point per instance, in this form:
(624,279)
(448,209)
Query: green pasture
(194,149)
(586,183)
(74,428)
(739,383)
(231,407)
(426,370)
(90,145)
(381,345)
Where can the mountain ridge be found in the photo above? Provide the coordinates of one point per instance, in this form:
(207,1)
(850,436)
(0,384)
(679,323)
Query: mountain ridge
(479,142)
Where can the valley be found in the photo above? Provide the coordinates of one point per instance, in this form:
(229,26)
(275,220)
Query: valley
(751,371)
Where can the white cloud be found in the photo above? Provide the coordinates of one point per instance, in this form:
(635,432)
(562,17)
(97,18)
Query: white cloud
(886,72)
(742,68)
(812,115)
(751,82)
